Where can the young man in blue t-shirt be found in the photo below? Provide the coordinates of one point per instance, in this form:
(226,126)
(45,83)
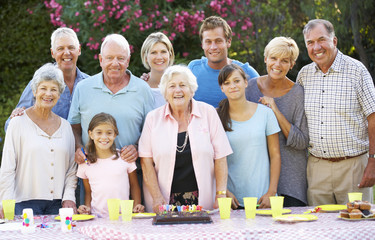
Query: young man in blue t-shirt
(216,38)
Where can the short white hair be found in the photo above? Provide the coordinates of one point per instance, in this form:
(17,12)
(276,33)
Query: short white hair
(48,72)
(172,71)
(64,32)
(118,39)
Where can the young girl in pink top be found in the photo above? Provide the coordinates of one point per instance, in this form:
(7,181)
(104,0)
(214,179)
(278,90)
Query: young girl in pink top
(106,176)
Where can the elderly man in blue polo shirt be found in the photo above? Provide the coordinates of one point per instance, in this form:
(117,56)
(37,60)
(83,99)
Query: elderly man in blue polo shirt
(115,91)
(65,49)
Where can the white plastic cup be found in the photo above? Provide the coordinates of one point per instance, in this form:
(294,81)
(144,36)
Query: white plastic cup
(28,221)
(66,216)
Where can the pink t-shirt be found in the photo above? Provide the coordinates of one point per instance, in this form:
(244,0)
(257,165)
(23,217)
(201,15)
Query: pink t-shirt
(108,178)
(208,142)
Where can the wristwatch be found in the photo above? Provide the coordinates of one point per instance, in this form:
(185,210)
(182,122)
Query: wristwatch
(221,193)
(371,156)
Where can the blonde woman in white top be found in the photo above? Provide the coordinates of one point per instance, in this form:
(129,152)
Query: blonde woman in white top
(157,54)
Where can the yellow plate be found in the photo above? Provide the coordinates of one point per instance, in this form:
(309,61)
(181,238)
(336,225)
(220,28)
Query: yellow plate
(269,211)
(296,218)
(79,217)
(356,219)
(144,215)
(332,207)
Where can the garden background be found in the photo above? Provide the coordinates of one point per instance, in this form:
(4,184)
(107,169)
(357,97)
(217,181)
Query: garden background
(26,27)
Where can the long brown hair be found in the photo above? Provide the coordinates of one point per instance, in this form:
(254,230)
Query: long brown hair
(100,118)
(223,109)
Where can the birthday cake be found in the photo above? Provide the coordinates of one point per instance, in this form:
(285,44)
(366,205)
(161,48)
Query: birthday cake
(187,217)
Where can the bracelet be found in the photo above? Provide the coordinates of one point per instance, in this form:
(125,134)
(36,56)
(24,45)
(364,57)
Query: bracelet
(371,155)
(221,192)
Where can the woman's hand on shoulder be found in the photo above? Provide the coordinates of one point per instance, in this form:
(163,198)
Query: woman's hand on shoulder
(269,102)
(17,112)
(83,209)
(139,208)
(145,76)
(129,153)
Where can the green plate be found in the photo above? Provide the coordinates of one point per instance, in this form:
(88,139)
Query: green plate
(268,212)
(332,207)
(296,218)
(144,215)
(79,217)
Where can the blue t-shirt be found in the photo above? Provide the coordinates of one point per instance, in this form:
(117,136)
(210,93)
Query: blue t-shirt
(63,104)
(249,165)
(129,106)
(209,90)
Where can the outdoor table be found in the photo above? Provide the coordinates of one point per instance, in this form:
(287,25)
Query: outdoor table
(328,226)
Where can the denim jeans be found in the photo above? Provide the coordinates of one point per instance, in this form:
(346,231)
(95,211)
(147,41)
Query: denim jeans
(40,207)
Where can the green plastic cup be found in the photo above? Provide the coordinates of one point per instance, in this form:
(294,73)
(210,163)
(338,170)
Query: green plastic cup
(113,208)
(8,208)
(277,203)
(126,210)
(250,206)
(353,196)
(224,207)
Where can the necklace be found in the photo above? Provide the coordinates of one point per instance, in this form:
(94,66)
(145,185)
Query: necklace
(182,147)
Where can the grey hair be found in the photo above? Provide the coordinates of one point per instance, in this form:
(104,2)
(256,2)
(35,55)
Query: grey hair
(48,72)
(172,71)
(314,22)
(62,32)
(118,39)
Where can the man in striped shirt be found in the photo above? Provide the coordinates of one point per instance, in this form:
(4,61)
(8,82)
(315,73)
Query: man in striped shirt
(340,107)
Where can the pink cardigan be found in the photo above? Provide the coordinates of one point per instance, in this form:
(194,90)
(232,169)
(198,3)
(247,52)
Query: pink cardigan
(208,142)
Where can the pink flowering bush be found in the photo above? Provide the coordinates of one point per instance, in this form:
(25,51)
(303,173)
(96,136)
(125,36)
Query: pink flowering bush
(135,19)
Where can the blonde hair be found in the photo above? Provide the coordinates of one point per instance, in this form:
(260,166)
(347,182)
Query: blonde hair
(149,43)
(282,47)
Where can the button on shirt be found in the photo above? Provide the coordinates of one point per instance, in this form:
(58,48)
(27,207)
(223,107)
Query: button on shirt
(337,104)
(35,165)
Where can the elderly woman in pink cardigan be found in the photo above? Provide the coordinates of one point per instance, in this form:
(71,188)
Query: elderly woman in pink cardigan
(183,147)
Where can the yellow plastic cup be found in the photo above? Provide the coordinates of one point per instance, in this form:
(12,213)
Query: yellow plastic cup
(224,207)
(126,210)
(354,196)
(113,208)
(8,208)
(277,203)
(250,206)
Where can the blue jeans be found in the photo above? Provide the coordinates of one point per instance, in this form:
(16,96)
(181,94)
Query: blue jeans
(40,207)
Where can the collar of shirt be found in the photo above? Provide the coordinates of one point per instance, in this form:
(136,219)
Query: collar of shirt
(131,87)
(194,110)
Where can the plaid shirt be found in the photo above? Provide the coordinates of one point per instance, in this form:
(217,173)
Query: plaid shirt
(337,104)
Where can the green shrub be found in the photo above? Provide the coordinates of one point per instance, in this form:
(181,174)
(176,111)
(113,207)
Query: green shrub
(25,44)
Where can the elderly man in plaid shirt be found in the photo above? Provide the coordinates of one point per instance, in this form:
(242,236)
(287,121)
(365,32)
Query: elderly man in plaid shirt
(340,106)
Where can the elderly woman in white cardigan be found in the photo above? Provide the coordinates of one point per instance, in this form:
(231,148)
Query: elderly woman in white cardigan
(38,168)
